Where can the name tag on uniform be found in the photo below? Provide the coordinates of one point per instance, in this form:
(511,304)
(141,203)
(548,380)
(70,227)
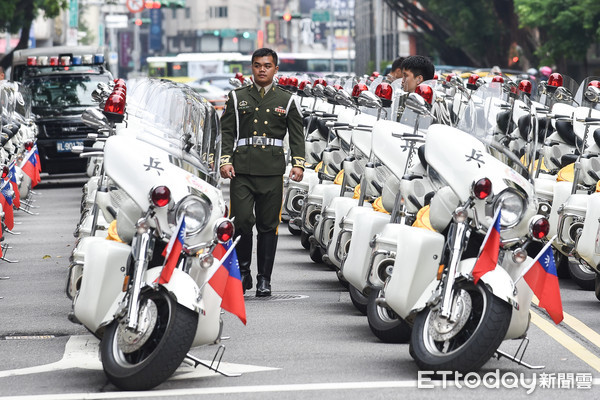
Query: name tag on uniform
(280,110)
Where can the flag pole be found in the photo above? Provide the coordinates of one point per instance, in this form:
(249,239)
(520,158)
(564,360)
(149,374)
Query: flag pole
(535,259)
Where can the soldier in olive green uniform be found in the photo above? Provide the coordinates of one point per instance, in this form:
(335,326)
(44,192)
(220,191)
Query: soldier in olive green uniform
(254,124)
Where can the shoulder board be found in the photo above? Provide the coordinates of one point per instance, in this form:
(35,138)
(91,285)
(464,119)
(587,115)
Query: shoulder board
(284,90)
(243,87)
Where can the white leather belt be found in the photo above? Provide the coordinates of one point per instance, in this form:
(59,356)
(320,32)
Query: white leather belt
(260,141)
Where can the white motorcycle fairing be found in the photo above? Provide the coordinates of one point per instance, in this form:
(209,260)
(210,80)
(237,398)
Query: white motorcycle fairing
(588,245)
(104,267)
(418,256)
(356,267)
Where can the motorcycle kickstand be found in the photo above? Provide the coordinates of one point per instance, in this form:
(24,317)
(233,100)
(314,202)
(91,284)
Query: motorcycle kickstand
(5,247)
(27,211)
(196,361)
(516,358)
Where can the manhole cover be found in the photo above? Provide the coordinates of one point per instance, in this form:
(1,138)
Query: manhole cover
(275,297)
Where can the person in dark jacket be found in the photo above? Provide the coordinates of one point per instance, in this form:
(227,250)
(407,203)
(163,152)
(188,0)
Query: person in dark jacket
(254,124)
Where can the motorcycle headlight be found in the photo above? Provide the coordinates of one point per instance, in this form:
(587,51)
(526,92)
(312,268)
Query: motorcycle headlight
(196,210)
(513,207)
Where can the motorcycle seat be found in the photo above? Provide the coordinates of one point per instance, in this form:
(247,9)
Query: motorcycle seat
(567,159)
(502,119)
(421,154)
(596,136)
(566,133)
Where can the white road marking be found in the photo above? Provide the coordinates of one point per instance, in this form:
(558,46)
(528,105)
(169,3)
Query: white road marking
(82,352)
(300,387)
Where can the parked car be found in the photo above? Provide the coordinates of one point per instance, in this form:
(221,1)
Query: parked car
(61,80)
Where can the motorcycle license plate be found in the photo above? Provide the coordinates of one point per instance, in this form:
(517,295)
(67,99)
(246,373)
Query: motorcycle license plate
(65,146)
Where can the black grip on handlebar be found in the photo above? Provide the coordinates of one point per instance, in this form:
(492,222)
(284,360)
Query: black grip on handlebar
(328,115)
(88,149)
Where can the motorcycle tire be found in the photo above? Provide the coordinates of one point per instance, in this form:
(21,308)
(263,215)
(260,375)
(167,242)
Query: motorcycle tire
(157,358)
(562,265)
(597,286)
(316,253)
(294,231)
(583,276)
(359,300)
(475,340)
(342,280)
(304,240)
(384,323)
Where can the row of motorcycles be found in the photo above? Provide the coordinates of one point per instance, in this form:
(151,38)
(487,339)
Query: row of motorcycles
(401,190)
(151,215)
(19,160)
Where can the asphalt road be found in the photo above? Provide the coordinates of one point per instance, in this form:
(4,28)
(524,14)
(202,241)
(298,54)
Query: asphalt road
(307,340)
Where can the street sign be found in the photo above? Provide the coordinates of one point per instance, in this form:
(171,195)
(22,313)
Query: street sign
(135,6)
(319,15)
(73,14)
(117,21)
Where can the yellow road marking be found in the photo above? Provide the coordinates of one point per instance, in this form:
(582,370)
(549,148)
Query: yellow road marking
(577,325)
(566,341)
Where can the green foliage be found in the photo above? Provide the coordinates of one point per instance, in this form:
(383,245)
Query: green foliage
(474,24)
(567,27)
(15,13)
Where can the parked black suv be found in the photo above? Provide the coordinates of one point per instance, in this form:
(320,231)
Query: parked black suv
(61,80)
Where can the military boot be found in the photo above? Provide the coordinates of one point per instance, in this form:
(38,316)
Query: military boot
(265,251)
(244,253)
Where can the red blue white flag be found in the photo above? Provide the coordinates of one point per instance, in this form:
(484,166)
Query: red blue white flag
(7,205)
(543,281)
(227,281)
(173,251)
(488,255)
(31,167)
(15,186)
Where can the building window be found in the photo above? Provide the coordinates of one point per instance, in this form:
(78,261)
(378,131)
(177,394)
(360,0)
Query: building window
(218,12)
(188,13)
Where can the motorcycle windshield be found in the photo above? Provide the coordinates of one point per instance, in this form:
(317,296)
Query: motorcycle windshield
(465,155)
(564,92)
(180,121)
(586,96)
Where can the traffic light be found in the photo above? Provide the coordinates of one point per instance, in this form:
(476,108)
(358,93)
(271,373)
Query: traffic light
(140,21)
(288,16)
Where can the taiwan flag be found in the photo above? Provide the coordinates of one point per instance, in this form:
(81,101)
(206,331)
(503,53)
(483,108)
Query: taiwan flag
(227,281)
(6,200)
(172,253)
(488,256)
(31,167)
(543,281)
(15,186)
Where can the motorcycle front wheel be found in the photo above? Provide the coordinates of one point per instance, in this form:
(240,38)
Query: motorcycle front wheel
(384,322)
(481,321)
(142,360)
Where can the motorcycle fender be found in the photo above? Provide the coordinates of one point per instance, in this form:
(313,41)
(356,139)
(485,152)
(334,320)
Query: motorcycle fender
(418,256)
(105,263)
(498,280)
(186,291)
(181,285)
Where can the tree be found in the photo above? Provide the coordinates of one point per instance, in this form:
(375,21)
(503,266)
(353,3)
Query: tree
(469,32)
(18,15)
(567,28)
